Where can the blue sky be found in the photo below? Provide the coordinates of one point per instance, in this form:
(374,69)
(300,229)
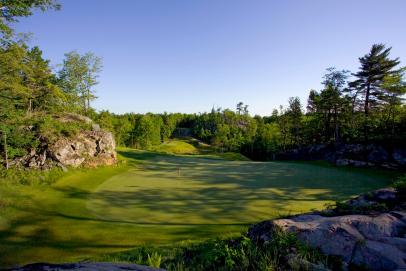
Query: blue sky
(188,55)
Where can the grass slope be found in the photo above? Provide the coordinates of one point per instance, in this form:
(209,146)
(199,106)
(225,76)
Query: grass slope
(161,199)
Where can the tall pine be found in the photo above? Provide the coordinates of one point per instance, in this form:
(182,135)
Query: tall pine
(375,66)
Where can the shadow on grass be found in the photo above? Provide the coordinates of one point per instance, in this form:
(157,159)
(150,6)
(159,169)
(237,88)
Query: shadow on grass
(221,197)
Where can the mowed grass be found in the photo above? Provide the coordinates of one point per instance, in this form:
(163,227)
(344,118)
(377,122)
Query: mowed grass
(161,199)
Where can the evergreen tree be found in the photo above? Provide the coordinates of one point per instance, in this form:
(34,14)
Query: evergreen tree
(375,66)
(11,10)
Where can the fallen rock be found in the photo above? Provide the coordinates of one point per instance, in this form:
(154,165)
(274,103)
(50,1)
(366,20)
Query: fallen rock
(86,267)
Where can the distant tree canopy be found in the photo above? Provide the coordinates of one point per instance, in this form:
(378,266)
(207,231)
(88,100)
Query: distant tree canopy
(366,106)
(336,113)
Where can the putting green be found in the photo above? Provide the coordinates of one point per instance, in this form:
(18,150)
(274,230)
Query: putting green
(161,199)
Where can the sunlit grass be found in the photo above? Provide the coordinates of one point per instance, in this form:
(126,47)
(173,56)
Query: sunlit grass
(161,199)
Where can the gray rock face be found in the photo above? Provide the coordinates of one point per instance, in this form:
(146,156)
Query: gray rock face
(375,242)
(386,195)
(86,267)
(357,155)
(92,148)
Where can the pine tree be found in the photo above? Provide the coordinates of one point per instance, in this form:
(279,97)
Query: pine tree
(375,66)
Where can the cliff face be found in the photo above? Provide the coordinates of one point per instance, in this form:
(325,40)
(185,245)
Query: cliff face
(88,148)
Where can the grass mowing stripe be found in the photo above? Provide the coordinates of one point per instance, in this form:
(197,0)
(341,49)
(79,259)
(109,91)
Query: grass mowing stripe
(159,199)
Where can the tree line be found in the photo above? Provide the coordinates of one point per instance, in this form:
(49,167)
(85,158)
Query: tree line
(365,106)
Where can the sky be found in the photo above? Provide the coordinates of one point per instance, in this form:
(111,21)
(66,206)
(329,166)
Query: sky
(190,55)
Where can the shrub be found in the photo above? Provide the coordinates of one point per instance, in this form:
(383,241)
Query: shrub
(154,260)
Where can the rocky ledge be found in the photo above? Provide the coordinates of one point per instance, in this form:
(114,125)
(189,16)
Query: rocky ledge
(88,148)
(369,232)
(85,267)
(357,155)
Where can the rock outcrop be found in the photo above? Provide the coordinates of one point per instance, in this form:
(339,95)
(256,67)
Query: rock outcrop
(374,240)
(356,155)
(88,148)
(91,148)
(86,267)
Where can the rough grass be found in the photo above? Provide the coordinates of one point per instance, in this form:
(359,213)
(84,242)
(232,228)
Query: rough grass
(192,146)
(161,199)
(176,147)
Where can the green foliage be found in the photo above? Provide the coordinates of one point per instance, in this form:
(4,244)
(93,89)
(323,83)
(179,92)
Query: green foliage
(226,254)
(53,127)
(154,260)
(11,10)
(400,186)
(29,177)
(77,78)
(147,131)
(19,139)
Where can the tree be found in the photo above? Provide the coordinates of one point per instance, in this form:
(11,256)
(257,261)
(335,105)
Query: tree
(77,78)
(44,93)
(240,107)
(295,113)
(11,10)
(147,131)
(13,92)
(331,101)
(375,66)
(27,82)
(394,88)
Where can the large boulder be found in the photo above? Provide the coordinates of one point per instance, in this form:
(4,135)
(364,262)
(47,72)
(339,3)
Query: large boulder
(90,148)
(375,242)
(86,267)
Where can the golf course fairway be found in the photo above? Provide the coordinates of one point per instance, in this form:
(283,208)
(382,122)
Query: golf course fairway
(160,199)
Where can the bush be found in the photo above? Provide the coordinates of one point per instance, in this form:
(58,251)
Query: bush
(19,139)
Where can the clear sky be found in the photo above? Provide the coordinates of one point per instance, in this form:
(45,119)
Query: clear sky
(188,55)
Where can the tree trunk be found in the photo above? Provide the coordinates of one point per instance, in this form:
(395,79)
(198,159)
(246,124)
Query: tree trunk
(5,148)
(29,107)
(336,130)
(88,99)
(366,113)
